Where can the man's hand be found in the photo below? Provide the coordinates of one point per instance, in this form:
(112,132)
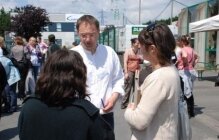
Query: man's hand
(110,102)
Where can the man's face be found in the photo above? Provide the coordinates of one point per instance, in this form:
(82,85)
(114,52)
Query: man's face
(88,35)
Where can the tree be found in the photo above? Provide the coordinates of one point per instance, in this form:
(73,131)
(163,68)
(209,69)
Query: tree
(29,21)
(166,21)
(5,21)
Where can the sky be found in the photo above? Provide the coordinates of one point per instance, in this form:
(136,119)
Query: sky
(109,12)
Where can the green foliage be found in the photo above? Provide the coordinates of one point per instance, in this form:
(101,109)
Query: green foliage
(4,21)
(165,21)
(29,21)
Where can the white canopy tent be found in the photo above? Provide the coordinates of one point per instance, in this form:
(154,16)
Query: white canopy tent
(199,27)
(208,24)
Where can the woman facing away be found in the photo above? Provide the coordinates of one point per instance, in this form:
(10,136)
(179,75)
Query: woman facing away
(59,111)
(156,115)
(186,62)
(18,53)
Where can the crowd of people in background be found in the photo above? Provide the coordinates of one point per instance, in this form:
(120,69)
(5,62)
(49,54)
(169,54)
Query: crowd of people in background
(83,84)
(22,64)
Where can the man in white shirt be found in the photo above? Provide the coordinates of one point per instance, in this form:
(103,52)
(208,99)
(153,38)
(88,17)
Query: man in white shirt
(105,77)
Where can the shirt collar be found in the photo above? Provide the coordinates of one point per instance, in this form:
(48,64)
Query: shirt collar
(89,52)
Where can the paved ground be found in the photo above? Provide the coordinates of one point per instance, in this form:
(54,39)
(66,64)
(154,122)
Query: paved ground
(205,125)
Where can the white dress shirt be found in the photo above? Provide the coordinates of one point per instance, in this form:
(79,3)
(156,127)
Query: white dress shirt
(104,73)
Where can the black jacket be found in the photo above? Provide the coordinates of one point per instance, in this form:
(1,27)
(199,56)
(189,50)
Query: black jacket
(80,121)
(3,82)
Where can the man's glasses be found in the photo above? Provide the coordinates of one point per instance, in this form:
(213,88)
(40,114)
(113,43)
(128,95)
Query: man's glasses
(87,35)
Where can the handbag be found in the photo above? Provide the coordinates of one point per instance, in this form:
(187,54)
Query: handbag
(24,60)
(185,131)
(14,61)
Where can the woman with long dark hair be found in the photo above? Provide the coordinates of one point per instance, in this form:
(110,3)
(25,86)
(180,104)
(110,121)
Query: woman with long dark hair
(156,115)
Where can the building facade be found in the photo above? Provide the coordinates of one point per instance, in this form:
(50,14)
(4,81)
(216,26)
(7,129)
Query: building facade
(63,26)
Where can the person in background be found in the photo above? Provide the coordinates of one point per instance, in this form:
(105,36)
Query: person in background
(156,115)
(13,76)
(105,76)
(131,64)
(4,50)
(64,47)
(186,62)
(35,56)
(43,49)
(62,111)
(1,44)
(3,83)
(17,52)
(178,50)
(74,44)
(52,44)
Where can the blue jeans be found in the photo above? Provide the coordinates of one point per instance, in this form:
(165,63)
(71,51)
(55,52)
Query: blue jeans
(35,72)
(11,97)
(109,118)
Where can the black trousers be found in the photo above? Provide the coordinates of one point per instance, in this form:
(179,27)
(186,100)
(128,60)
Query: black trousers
(109,118)
(21,83)
(189,101)
(129,89)
(190,105)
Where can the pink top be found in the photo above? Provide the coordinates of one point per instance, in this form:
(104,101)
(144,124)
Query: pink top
(133,63)
(187,59)
(131,60)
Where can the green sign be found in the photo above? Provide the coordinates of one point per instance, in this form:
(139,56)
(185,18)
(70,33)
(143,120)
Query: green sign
(136,30)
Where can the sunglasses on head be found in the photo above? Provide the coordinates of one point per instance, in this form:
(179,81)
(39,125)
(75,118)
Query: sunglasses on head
(150,27)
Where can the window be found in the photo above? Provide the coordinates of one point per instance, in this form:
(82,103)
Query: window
(46,28)
(58,27)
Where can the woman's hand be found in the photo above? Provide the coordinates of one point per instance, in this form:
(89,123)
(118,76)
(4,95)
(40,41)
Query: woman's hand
(126,76)
(131,106)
